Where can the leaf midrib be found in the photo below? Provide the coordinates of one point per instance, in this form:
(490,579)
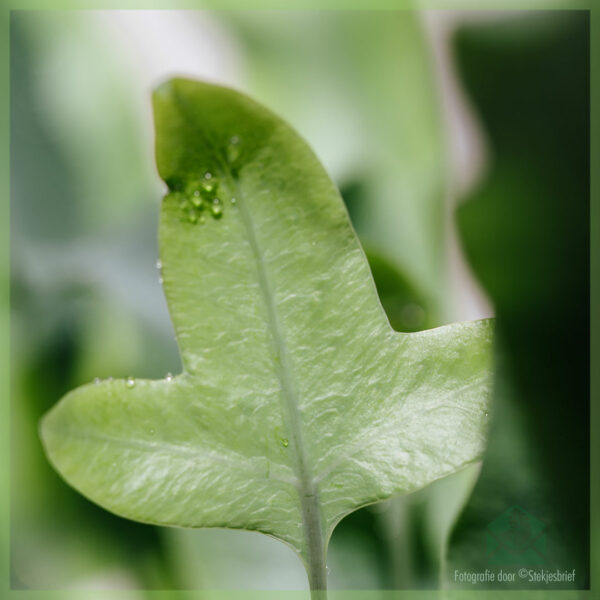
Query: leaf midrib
(307,486)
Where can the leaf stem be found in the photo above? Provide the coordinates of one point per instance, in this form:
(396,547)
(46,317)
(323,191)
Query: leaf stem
(318,594)
(317,569)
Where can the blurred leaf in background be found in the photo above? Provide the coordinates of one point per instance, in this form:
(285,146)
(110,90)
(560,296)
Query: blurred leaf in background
(85,295)
(526,232)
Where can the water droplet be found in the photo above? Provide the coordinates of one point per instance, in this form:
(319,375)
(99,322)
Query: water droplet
(130,382)
(169,377)
(327,570)
(285,443)
(217,208)
(412,315)
(160,274)
(234,140)
(96,380)
(209,186)
(197,200)
(486,414)
(208,175)
(233,201)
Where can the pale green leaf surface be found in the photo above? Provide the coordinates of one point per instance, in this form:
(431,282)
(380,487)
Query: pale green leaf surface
(297,402)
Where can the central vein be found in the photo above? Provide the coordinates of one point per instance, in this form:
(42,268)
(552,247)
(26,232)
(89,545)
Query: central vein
(307,488)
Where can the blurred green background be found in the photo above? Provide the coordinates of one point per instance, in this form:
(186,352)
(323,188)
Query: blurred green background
(450,135)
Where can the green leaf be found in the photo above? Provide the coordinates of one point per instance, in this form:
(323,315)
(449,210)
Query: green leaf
(298,403)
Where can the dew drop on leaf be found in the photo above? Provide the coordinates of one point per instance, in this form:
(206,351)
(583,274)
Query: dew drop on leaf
(285,443)
(412,315)
(130,382)
(217,208)
(208,186)
(169,377)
